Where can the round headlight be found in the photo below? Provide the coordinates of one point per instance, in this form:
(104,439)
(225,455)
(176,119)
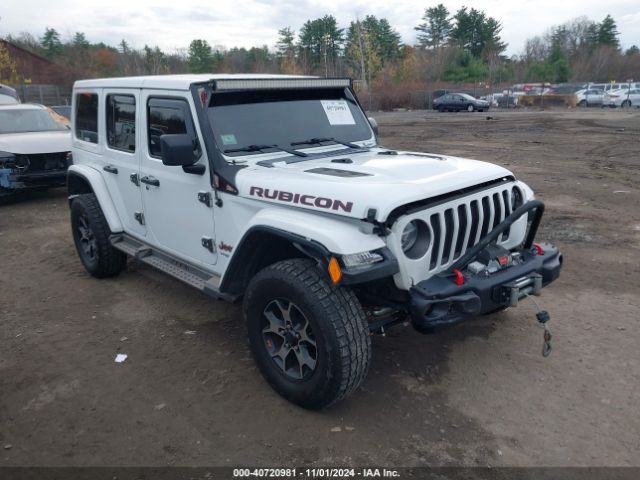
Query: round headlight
(409,236)
(416,239)
(517,199)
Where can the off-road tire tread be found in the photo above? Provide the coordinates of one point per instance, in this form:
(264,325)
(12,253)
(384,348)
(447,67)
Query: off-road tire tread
(110,260)
(344,313)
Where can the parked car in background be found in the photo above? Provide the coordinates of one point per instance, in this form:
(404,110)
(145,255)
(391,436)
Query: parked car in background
(492,98)
(590,97)
(456,102)
(35,148)
(612,87)
(8,96)
(624,98)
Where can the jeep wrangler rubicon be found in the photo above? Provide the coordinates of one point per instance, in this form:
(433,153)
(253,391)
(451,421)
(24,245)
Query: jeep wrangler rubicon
(274,190)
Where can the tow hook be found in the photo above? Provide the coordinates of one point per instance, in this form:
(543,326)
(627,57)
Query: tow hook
(543,318)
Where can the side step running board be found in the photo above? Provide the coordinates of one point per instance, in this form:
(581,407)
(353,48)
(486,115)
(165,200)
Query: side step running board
(194,276)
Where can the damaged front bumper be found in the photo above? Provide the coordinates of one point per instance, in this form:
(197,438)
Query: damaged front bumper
(462,292)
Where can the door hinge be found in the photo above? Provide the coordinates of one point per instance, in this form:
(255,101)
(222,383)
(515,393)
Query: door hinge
(207,242)
(135,179)
(205,197)
(139,216)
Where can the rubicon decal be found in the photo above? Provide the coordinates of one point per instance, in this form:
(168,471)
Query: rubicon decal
(301,199)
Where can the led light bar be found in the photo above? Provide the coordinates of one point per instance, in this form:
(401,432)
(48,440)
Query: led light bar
(279,83)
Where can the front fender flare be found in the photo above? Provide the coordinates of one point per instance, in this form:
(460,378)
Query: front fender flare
(98,186)
(316,236)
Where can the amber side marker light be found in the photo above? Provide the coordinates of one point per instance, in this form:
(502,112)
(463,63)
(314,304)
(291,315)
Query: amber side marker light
(334,271)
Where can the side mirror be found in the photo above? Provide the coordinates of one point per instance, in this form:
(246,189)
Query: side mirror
(374,125)
(177,150)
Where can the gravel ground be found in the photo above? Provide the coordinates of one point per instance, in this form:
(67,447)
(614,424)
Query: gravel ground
(477,394)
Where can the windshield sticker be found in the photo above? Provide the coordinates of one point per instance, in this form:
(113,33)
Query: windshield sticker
(338,112)
(228,139)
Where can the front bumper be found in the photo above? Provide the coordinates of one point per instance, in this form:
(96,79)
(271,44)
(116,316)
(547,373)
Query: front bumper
(11,180)
(438,301)
(441,301)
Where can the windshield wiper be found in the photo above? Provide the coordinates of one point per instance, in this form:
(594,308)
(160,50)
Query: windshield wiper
(315,141)
(260,148)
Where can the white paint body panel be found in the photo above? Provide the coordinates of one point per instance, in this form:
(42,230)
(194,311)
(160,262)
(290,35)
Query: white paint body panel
(94,177)
(391,181)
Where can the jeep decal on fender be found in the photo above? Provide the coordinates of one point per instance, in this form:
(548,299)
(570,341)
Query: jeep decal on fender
(301,199)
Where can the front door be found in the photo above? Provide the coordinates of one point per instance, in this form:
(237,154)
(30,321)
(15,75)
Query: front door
(121,110)
(178,222)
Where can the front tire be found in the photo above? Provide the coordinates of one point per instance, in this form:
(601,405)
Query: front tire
(91,237)
(470,108)
(309,338)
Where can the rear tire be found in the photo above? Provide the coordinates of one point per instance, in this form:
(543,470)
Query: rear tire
(470,108)
(626,103)
(309,338)
(91,237)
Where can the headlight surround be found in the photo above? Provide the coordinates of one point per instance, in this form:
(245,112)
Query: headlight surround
(415,239)
(409,236)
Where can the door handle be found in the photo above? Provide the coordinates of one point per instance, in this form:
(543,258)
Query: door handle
(150,181)
(110,169)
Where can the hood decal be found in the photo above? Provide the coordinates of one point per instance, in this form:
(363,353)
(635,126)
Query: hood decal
(301,199)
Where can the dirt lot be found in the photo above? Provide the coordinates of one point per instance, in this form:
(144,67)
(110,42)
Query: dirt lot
(478,394)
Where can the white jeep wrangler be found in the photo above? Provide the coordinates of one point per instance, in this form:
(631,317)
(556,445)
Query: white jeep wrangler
(274,190)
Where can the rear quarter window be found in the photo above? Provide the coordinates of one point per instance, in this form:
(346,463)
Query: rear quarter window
(86,125)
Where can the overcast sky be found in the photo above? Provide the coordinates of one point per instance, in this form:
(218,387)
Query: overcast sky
(245,23)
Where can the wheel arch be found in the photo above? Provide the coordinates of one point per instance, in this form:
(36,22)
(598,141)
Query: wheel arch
(276,233)
(82,179)
(262,246)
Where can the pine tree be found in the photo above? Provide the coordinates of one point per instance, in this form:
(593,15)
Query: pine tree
(608,32)
(632,50)
(320,44)
(80,41)
(286,50)
(200,56)
(436,27)
(51,44)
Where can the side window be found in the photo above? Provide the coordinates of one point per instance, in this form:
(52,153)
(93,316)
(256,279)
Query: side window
(121,122)
(87,117)
(168,116)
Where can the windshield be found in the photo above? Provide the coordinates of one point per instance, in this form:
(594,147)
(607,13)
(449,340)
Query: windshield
(242,120)
(22,121)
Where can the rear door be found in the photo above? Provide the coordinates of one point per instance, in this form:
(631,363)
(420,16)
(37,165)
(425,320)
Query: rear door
(594,97)
(121,113)
(178,221)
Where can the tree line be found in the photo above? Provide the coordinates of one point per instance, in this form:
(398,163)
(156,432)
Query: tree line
(464,46)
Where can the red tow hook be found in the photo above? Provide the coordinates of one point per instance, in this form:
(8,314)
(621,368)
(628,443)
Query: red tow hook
(459,280)
(539,249)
